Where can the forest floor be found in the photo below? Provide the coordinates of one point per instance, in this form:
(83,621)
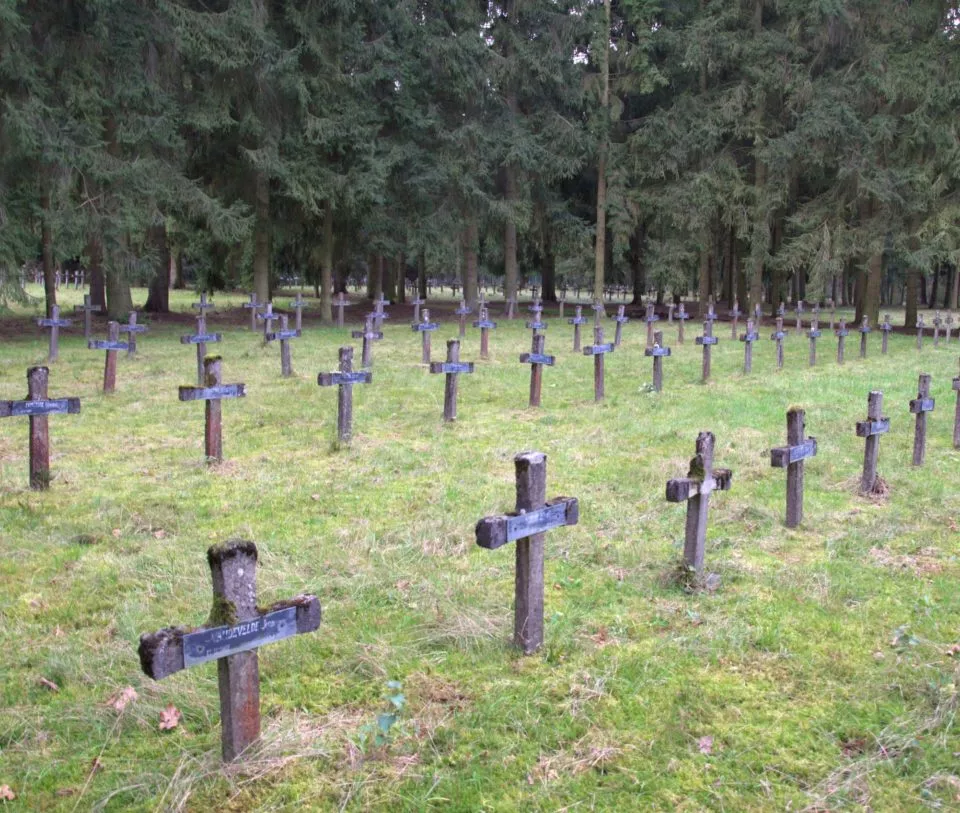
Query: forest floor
(821,675)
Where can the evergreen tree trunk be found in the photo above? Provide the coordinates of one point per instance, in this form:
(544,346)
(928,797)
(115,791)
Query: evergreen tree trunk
(401,278)
(176,270)
(98,290)
(261,238)
(871,289)
(549,272)
(470,236)
(49,266)
(859,291)
(326,267)
(600,247)
(638,268)
(422,275)
(510,233)
(119,300)
(158,295)
(728,276)
(389,280)
(376,278)
(912,296)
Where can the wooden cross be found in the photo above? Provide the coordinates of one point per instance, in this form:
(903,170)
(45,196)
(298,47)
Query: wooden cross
(527,526)
(937,321)
(37,407)
(86,309)
(201,338)
(920,406)
(778,336)
(268,317)
(782,309)
(111,345)
(452,368)
(378,313)
(203,305)
(734,319)
(511,307)
(621,319)
(340,302)
(598,350)
(462,312)
(234,631)
(132,329)
(485,326)
(948,326)
(814,334)
(956,416)
(650,317)
(707,340)
(284,335)
(562,302)
(253,306)
(695,489)
(920,327)
(537,324)
(54,323)
(833,312)
(886,327)
(536,308)
(213,391)
(536,359)
(369,335)
(872,428)
(659,353)
(670,308)
(748,339)
(425,328)
(864,329)
(417,302)
(298,305)
(791,457)
(841,334)
(598,312)
(799,312)
(758,315)
(711,313)
(345,379)
(682,316)
(578,320)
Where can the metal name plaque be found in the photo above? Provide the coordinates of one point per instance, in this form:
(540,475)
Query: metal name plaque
(624,319)
(211,393)
(102,345)
(866,330)
(707,340)
(581,321)
(451,367)
(56,407)
(283,335)
(358,377)
(813,334)
(54,322)
(778,335)
(535,522)
(657,352)
(805,450)
(866,429)
(749,337)
(487,324)
(597,349)
(220,642)
(843,333)
(424,326)
(537,358)
(133,328)
(922,405)
(683,315)
(202,338)
(536,325)
(651,318)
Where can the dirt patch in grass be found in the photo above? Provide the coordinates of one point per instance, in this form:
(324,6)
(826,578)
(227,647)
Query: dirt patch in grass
(925,562)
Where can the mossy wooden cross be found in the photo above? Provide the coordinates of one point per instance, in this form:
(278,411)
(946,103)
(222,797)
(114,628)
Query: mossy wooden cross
(213,392)
(132,329)
(284,335)
(452,368)
(536,358)
(54,323)
(37,407)
(425,328)
(748,339)
(659,353)
(527,526)
(598,350)
(695,489)
(577,321)
(872,428)
(485,326)
(345,379)
(791,457)
(87,309)
(234,631)
(111,346)
(920,406)
(369,335)
(201,339)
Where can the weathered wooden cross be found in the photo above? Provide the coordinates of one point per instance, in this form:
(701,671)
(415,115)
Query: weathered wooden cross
(651,318)
(54,323)
(379,314)
(813,334)
(841,334)
(920,327)
(621,319)
(799,311)
(369,335)
(778,336)
(748,339)
(956,416)
(417,302)
(462,312)
(268,317)
(425,328)
(707,340)
(284,335)
(670,308)
(920,406)
(937,321)
(485,325)
(527,527)
(711,313)
(452,368)
(872,428)
(201,338)
(253,306)
(340,302)
(37,407)
(345,379)
(536,359)
(947,327)
(203,305)
(598,312)
(659,353)
(86,309)
(111,345)
(864,331)
(132,329)
(213,391)
(682,316)
(791,457)
(577,320)
(298,305)
(695,489)
(734,319)
(598,350)
(234,631)
(886,327)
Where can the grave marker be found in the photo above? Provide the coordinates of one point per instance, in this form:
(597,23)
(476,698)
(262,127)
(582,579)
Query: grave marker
(379,314)
(748,339)
(268,317)
(417,302)
(864,330)
(707,340)
(111,345)
(598,350)
(369,335)
(682,316)
(253,306)
(956,416)
(920,327)
(462,312)
(886,327)
(791,457)
(132,329)
(203,305)
(937,321)
(345,379)
(424,328)
(650,318)
(232,634)
(201,338)
(778,336)
(814,334)
(284,335)
(833,312)
(799,311)
(527,527)
(948,326)
(670,307)
(452,368)
(298,305)
(54,323)
(536,359)
(86,309)
(340,302)
(920,406)
(485,326)
(872,428)
(841,334)
(695,489)
(659,353)
(213,392)
(578,320)
(734,319)
(621,319)
(38,406)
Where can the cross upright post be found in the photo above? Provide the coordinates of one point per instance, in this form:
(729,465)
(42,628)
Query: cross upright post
(682,317)
(200,339)
(87,308)
(920,406)
(659,352)
(424,328)
(864,331)
(462,312)
(707,340)
(871,429)
(650,318)
(452,368)
(527,527)
(37,407)
(948,326)
(956,415)
(54,323)
(670,309)
(253,306)
(268,317)
(734,319)
(799,312)
(345,379)
(417,302)
(886,327)
(203,305)
(485,325)
(621,319)
(791,457)
(577,320)
(748,339)
(841,334)
(536,358)
(369,335)
(284,335)
(813,334)
(298,305)
(111,345)
(236,628)
(778,336)
(340,302)
(212,393)
(695,489)
(920,327)
(937,321)
(132,329)
(598,350)
(598,312)
(562,301)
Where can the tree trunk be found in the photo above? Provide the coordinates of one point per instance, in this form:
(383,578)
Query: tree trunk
(261,237)
(390,280)
(600,246)
(377,277)
(119,300)
(871,289)
(859,291)
(49,265)
(935,287)
(728,273)
(470,236)
(158,295)
(638,267)
(549,271)
(98,291)
(912,296)
(510,233)
(326,267)
(422,275)
(401,278)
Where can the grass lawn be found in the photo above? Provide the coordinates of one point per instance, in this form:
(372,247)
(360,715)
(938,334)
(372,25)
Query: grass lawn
(821,675)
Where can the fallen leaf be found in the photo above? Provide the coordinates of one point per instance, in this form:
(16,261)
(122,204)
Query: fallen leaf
(169,718)
(116,533)
(705,745)
(48,684)
(159,534)
(119,700)
(953,651)
(403,585)
(7,795)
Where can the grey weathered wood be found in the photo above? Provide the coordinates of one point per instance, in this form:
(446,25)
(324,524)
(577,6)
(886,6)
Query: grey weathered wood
(533,517)
(212,393)
(813,334)
(798,310)
(734,315)
(621,319)
(268,317)
(871,429)
(778,336)
(417,302)
(658,352)
(562,301)
(682,317)
(577,321)
(201,338)
(707,340)
(886,327)
(87,309)
(54,323)
(203,305)
(340,303)
(598,350)
(864,331)
(937,321)
(948,326)
(536,359)
(284,335)
(425,328)
(132,329)
(253,306)
(368,335)
(485,326)
(452,368)
(462,312)
(298,305)
(920,406)
(670,309)
(748,339)
(695,489)
(841,334)
(651,319)
(956,415)
(111,345)
(920,327)
(234,644)
(791,457)
(344,379)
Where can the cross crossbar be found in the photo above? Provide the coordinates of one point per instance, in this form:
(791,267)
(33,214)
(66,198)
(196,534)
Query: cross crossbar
(785,455)
(212,393)
(56,406)
(451,366)
(494,532)
(866,429)
(353,377)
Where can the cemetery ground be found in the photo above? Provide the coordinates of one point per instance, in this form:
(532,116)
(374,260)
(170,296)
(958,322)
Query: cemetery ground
(822,673)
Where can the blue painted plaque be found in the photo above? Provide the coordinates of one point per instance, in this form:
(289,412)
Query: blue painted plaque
(749,337)
(579,321)
(133,328)
(778,335)
(922,405)
(537,325)
(707,340)
(866,329)
(486,323)
(813,334)
(102,345)
(212,393)
(59,406)
(866,429)
(842,333)
(657,352)
(373,334)
(597,349)
(357,377)
(422,327)
(451,367)
(54,322)
(537,358)
(220,642)
(282,335)
(202,338)
(520,526)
